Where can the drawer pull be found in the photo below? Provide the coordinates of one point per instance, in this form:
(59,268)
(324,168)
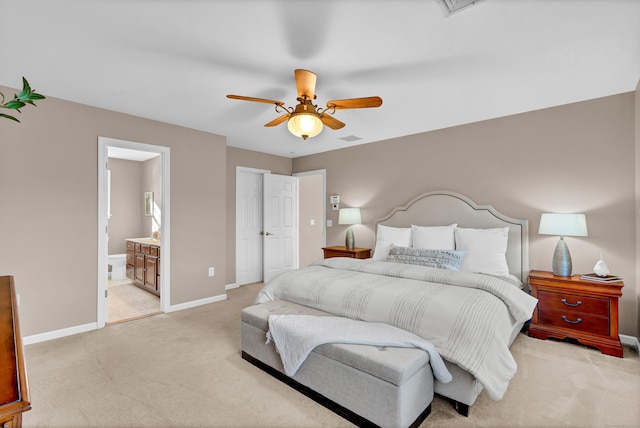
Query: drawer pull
(571,304)
(578,321)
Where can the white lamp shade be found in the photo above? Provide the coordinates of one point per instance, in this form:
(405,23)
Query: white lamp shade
(304,125)
(563,224)
(349,216)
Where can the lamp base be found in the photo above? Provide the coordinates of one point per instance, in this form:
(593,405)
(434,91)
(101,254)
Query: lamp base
(349,241)
(562,259)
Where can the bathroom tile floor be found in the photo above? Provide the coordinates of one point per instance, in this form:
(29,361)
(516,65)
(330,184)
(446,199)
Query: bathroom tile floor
(127,302)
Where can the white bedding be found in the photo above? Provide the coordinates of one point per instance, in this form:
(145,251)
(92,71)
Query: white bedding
(468,317)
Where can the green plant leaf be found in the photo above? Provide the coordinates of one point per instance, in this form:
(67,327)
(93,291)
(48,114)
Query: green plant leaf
(25,85)
(8,117)
(14,104)
(26,96)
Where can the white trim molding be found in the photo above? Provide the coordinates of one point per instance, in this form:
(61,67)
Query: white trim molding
(194,303)
(630,341)
(57,334)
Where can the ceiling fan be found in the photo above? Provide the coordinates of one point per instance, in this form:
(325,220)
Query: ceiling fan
(306,120)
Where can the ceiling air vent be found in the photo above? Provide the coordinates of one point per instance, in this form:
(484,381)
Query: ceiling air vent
(350,138)
(453,6)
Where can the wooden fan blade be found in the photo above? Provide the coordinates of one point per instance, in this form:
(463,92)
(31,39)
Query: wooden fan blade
(365,102)
(258,100)
(278,120)
(331,122)
(306,83)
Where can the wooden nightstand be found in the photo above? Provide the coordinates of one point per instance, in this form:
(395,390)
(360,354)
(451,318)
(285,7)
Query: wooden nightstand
(356,253)
(578,309)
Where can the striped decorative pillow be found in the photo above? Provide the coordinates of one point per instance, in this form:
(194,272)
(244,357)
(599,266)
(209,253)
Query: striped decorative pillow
(441,259)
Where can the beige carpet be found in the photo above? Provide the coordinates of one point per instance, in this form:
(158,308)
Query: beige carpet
(184,370)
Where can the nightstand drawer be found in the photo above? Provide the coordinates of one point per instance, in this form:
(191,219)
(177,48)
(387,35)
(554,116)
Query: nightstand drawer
(575,321)
(573,303)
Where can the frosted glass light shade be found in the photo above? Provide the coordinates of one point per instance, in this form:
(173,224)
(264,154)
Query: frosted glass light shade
(304,125)
(563,224)
(349,216)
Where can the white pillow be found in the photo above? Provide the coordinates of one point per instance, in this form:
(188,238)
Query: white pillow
(484,250)
(388,236)
(433,237)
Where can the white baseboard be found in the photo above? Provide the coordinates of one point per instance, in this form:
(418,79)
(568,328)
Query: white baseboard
(195,303)
(56,334)
(631,341)
(231,286)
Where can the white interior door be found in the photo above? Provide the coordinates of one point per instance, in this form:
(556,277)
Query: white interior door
(280,224)
(249,225)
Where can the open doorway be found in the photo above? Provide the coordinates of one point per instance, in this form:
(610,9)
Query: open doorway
(133,230)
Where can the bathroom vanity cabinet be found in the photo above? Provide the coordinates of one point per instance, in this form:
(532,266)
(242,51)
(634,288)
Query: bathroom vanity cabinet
(143,263)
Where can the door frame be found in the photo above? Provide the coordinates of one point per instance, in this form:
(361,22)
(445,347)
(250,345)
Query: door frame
(165,231)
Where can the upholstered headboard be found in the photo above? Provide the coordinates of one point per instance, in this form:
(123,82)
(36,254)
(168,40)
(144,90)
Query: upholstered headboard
(442,208)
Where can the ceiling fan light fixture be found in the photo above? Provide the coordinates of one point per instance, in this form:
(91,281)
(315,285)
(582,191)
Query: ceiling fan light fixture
(305,124)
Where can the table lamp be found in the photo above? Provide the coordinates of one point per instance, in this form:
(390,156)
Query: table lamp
(562,225)
(349,216)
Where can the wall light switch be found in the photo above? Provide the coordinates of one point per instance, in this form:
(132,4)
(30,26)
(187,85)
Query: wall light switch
(329,223)
(212,271)
(312,222)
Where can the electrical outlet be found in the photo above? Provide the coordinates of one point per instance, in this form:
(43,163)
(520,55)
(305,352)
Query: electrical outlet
(212,271)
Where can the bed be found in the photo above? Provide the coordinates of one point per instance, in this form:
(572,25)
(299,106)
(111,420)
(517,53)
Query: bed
(445,269)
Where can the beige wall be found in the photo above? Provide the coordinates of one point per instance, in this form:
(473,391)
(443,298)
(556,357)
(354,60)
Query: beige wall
(573,158)
(311,235)
(48,221)
(637,208)
(126,208)
(248,159)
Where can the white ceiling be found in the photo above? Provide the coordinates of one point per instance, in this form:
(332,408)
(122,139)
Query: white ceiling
(175,60)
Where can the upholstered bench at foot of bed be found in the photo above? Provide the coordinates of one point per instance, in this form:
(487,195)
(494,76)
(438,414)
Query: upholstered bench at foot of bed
(369,385)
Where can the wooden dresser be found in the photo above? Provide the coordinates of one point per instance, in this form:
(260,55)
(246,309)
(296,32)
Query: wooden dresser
(356,253)
(14,386)
(569,307)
